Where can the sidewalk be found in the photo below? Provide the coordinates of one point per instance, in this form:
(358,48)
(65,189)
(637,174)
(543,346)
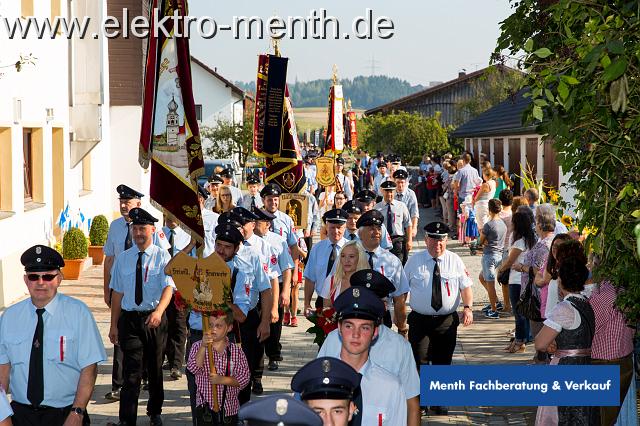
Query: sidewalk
(480,343)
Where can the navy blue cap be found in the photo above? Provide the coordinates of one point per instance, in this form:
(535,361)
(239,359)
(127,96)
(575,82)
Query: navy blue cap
(202,192)
(278,410)
(270,189)
(245,214)
(388,185)
(374,281)
(140,216)
(231,219)
(381,163)
(41,258)
(340,160)
(351,207)
(437,230)
(337,216)
(400,174)
(229,233)
(228,172)
(215,178)
(126,193)
(264,215)
(252,180)
(326,378)
(359,302)
(372,217)
(365,196)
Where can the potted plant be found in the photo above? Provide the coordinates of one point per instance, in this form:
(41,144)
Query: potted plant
(74,251)
(97,238)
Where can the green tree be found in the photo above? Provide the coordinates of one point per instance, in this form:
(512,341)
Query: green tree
(581,59)
(408,134)
(228,138)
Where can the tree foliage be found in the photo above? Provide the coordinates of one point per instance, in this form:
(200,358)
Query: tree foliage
(227,138)
(409,135)
(582,63)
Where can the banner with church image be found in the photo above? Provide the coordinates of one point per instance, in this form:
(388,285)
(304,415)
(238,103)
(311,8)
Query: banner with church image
(169,137)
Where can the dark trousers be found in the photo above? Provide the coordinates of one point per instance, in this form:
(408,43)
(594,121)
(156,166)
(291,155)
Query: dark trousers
(26,415)
(117,379)
(140,343)
(608,415)
(433,338)
(176,335)
(399,248)
(253,349)
(272,346)
(194,336)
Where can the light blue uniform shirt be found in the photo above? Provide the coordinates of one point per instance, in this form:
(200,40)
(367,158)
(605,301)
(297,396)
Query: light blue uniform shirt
(154,280)
(209,222)
(246,201)
(180,238)
(316,269)
(409,198)
(118,233)
(241,298)
(390,351)
(399,214)
(391,267)
(282,255)
(265,252)
(5,407)
(283,225)
(236,194)
(71,342)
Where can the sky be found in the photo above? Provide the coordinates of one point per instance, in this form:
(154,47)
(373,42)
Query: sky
(432,40)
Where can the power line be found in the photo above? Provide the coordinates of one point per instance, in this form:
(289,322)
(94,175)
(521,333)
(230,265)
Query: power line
(372,65)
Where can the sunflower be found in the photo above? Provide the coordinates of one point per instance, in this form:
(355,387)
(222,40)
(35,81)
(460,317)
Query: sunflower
(566,220)
(554,196)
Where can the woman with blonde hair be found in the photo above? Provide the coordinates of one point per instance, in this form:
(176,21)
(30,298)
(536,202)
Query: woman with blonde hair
(352,258)
(225,201)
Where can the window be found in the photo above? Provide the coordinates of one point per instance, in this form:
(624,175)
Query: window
(5,170)
(26,8)
(27,164)
(199,112)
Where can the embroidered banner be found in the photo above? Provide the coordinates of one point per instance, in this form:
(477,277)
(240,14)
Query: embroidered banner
(353,132)
(270,113)
(335,131)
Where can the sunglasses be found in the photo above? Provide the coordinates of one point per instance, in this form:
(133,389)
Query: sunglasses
(45,277)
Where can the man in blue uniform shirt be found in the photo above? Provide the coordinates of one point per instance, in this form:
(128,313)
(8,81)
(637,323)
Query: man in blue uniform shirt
(282,225)
(367,201)
(252,200)
(407,196)
(324,255)
(141,293)
(49,348)
(397,221)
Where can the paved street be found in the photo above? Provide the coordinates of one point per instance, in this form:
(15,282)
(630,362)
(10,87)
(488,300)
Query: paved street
(480,343)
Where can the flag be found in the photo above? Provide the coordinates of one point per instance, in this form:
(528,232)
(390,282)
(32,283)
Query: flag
(334,141)
(169,136)
(352,131)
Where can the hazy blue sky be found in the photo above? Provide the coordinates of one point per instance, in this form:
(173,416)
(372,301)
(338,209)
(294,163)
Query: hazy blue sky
(434,39)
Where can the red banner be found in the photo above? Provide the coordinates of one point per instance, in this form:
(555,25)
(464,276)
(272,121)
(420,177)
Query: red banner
(169,136)
(335,130)
(353,132)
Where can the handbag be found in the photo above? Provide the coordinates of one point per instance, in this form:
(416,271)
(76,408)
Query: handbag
(503,277)
(529,305)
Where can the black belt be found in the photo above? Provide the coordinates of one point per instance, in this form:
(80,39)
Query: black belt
(137,313)
(432,316)
(39,407)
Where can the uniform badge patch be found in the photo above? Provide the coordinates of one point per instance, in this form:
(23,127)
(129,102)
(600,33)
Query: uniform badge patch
(274,260)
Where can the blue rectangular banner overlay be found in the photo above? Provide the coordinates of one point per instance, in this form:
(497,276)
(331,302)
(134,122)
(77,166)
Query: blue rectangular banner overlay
(520,385)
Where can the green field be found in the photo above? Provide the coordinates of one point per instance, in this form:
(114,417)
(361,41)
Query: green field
(313,118)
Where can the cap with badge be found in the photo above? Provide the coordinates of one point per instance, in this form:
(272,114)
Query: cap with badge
(400,174)
(41,258)
(366,196)
(381,164)
(227,173)
(359,302)
(372,217)
(351,207)
(229,233)
(126,193)
(278,410)
(140,216)
(388,185)
(270,189)
(264,215)
(230,219)
(437,230)
(340,160)
(215,178)
(337,216)
(326,378)
(202,192)
(374,281)
(246,215)
(253,180)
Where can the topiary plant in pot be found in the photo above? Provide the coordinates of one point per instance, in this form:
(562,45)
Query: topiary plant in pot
(98,237)
(74,251)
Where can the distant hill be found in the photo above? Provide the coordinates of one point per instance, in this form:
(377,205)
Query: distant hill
(364,92)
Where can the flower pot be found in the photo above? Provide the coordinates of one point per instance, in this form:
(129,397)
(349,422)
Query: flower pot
(97,254)
(72,268)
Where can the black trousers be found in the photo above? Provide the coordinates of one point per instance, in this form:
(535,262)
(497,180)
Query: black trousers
(433,338)
(176,335)
(141,344)
(399,248)
(253,349)
(194,336)
(27,415)
(272,346)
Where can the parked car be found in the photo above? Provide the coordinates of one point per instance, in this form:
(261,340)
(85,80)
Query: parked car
(210,165)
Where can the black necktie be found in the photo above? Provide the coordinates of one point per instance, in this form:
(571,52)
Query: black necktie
(253,203)
(352,236)
(399,196)
(436,288)
(127,240)
(370,253)
(172,234)
(139,279)
(389,220)
(332,259)
(35,386)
